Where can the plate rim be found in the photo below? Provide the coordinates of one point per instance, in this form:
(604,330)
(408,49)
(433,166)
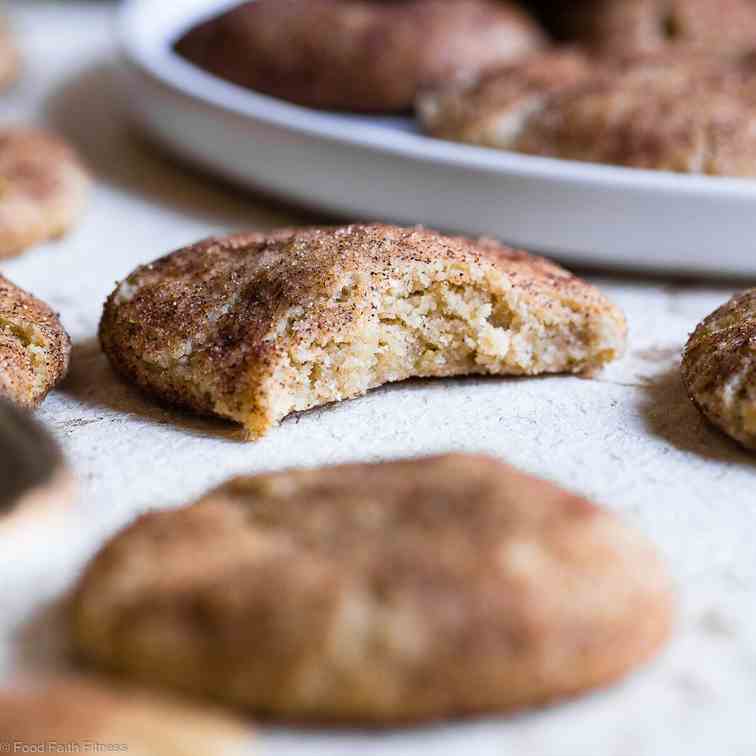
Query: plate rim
(160,62)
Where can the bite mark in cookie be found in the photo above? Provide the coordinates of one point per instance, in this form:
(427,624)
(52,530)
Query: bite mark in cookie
(256,326)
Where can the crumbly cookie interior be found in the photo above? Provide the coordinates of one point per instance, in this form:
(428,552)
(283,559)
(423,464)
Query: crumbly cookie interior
(31,344)
(254,327)
(441,320)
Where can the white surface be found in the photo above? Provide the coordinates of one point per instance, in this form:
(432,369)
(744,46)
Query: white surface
(381,167)
(630,439)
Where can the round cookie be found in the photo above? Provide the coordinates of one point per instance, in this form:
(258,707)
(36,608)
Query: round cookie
(82,715)
(43,188)
(622,27)
(9,56)
(32,469)
(358,55)
(385,593)
(493,109)
(254,327)
(686,112)
(34,347)
(719,368)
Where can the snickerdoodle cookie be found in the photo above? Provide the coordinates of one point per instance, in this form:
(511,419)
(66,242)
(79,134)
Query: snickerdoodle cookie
(43,188)
(33,474)
(384,593)
(76,716)
(621,27)
(690,112)
(360,55)
(719,367)
(494,109)
(256,326)
(34,347)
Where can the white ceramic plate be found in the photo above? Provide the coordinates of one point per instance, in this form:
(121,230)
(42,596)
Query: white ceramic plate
(372,168)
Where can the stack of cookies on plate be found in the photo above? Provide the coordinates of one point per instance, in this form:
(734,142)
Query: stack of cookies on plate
(654,84)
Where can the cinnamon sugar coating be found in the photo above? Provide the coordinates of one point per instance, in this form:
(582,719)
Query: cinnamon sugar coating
(256,326)
(719,367)
(688,112)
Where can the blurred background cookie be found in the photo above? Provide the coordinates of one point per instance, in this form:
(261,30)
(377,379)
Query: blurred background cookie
(687,113)
(359,55)
(33,473)
(256,326)
(43,188)
(34,347)
(86,717)
(494,109)
(719,368)
(384,593)
(683,111)
(621,27)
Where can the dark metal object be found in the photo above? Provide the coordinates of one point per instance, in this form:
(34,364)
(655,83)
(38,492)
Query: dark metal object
(29,456)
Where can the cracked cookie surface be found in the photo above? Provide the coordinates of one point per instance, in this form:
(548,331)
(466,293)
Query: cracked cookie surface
(684,112)
(256,326)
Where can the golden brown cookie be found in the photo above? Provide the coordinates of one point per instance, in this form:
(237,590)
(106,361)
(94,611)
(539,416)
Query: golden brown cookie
(34,347)
(10,61)
(360,55)
(256,326)
(690,112)
(43,188)
(85,717)
(33,475)
(494,109)
(719,368)
(384,593)
(622,27)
